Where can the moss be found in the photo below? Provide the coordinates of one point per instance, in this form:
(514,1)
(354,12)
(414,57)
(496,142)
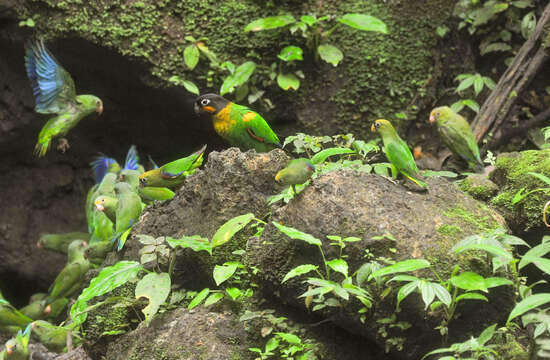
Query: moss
(481,223)
(379,76)
(478,187)
(511,173)
(450,230)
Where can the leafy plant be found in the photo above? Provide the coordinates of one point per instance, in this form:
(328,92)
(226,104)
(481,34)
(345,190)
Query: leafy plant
(474,81)
(474,348)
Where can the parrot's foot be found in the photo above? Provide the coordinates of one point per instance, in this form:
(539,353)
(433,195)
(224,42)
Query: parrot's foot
(63,145)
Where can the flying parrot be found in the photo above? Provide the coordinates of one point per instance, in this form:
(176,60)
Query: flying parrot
(174,173)
(17,348)
(297,171)
(397,152)
(237,124)
(128,211)
(55,93)
(457,135)
(52,336)
(71,277)
(151,193)
(60,242)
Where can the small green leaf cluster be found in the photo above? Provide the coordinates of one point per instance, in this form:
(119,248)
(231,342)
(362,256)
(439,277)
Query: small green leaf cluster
(285,346)
(311,28)
(467,81)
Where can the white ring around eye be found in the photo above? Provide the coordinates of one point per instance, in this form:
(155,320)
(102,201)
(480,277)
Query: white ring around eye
(205,102)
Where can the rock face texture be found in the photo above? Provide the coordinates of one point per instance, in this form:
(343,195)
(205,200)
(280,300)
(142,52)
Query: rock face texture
(391,221)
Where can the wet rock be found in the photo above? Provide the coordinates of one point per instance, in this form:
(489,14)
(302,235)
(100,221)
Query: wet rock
(479,186)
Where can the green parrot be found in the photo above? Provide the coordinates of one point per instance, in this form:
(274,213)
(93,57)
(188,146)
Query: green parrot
(297,171)
(128,211)
(97,252)
(99,224)
(35,310)
(71,277)
(131,177)
(10,316)
(60,242)
(55,93)
(17,348)
(103,165)
(107,205)
(151,193)
(174,173)
(55,309)
(457,135)
(53,337)
(37,297)
(397,152)
(237,124)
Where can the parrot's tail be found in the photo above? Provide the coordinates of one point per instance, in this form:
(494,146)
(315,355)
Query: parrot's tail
(477,166)
(418,182)
(42,147)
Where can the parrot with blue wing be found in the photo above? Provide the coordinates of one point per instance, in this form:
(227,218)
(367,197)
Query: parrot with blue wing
(17,348)
(54,92)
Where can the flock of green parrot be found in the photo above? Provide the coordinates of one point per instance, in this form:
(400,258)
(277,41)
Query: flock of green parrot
(115,203)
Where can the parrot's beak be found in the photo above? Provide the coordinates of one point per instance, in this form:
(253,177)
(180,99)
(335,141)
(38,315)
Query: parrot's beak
(432,118)
(278,176)
(372,128)
(100,109)
(9,350)
(85,243)
(38,245)
(48,310)
(99,207)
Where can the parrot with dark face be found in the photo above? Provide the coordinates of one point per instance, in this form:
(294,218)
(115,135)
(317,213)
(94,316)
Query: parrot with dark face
(297,171)
(397,151)
(174,173)
(237,124)
(71,277)
(457,135)
(17,348)
(55,93)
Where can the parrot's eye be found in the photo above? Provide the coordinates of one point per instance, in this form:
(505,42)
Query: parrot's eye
(102,200)
(377,125)
(98,102)
(205,102)
(437,113)
(143,181)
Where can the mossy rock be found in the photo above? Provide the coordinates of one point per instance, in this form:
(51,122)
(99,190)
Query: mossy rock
(479,187)
(379,75)
(511,176)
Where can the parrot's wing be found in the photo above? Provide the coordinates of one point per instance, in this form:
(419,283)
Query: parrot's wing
(52,85)
(132,159)
(256,126)
(459,143)
(177,167)
(100,167)
(65,280)
(400,156)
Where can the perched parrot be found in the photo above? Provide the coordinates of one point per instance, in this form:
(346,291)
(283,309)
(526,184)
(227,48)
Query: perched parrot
(103,165)
(457,135)
(131,177)
(151,193)
(38,297)
(71,277)
(10,316)
(35,310)
(51,336)
(397,152)
(17,348)
(297,171)
(55,309)
(99,225)
(97,252)
(60,242)
(128,211)
(107,205)
(237,124)
(174,173)
(54,91)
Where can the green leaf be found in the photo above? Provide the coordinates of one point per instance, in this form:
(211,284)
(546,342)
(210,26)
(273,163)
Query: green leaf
(224,272)
(290,338)
(230,228)
(427,292)
(534,254)
(492,249)
(198,298)
(271,22)
(442,294)
(191,56)
(541,177)
(497,46)
(402,266)
(497,281)
(291,53)
(486,335)
(469,281)
(299,270)
(364,22)
(288,81)
(195,242)
(234,293)
(213,298)
(156,288)
(241,75)
(478,84)
(466,83)
(471,104)
(322,155)
(271,344)
(432,173)
(527,304)
(406,290)
(297,234)
(190,86)
(471,296)
(107,280)
(308,19)
(330,54)
(339,265)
